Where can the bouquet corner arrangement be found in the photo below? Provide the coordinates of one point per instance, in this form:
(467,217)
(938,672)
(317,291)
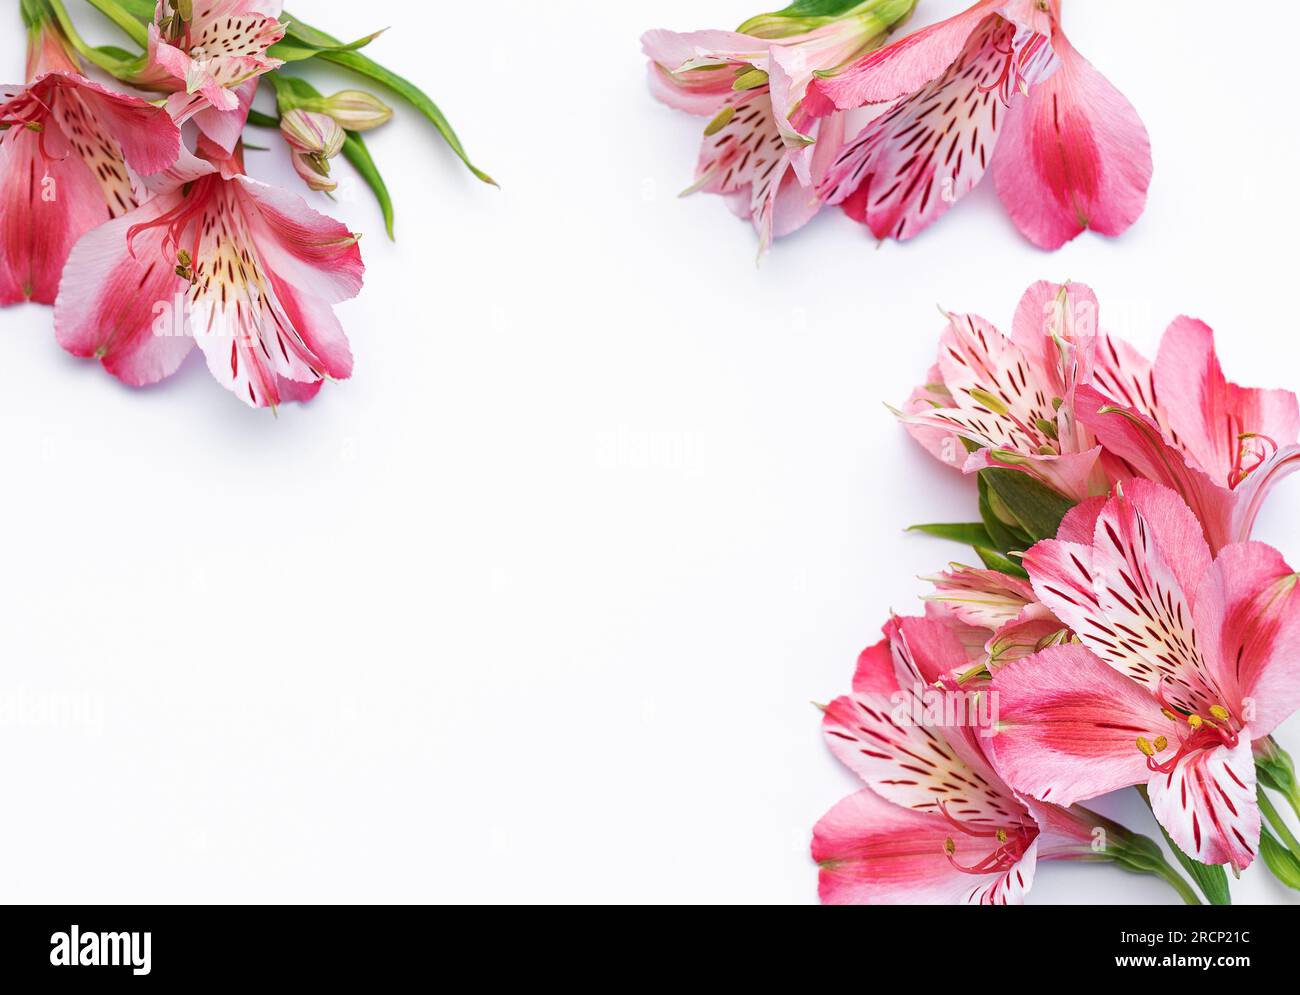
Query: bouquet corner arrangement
(129,207)
(820,104)
(1119,626)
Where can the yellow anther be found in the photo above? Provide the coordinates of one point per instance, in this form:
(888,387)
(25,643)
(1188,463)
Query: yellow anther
(721,121)
(1144,747)
(1195,721)
(1171,716)
(1160,743)
(1220,713)
(1002,835)
(949,847)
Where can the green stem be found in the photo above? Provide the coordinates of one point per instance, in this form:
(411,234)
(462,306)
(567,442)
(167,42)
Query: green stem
(87,52)
(1278,823)
(124,19)
(1176,881)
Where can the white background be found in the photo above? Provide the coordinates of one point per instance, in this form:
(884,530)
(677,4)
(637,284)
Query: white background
(533,608)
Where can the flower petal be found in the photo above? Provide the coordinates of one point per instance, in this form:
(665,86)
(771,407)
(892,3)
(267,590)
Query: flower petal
(907,167)
(122,302)
(1075,155)
(1208,805)
(884,741)
(1067,726)
(1210,416)
(1248,616)
(875,853)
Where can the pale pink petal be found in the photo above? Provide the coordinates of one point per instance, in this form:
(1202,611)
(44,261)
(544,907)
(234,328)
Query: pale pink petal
(121,301)
(1034,630)
(1208,805)
(1248,617)
(987,599)
(701,96)
(1074,155)
(1056,328)
(900,68)
(887,743)
(1074,475)
(875,853)
(913,162)
(677,51)
(1067,726)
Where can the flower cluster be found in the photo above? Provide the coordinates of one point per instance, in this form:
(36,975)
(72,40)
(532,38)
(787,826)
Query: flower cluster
(1122,628)
(997,88)
(137,219)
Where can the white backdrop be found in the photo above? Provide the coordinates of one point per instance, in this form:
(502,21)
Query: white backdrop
(533,608)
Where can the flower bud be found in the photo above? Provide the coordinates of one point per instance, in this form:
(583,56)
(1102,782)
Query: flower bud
(312,133)
(354,110)
(315,139)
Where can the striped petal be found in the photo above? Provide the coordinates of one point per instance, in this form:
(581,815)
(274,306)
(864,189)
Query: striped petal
(1208,805)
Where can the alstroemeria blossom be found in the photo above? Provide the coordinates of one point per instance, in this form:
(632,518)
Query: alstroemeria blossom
(1186,658)
(1081,410)
(71,157)
(1009,401)
(997,87)
(247,270)
(936,823)
(761,151)
(1181,422)
(210,62)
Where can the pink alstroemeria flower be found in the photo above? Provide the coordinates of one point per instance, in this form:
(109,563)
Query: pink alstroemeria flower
(246,269)
(1181,422)
(936,824)
(1011,400)
(761,151)
(71,157)
(997,87)
(1185,660)
(211,62)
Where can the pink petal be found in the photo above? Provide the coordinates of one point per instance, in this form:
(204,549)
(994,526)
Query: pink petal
(925,649)
(988,599)
(875,671)
(875,853)
(1074,155)
(45,206)
(1056,328)
(884,741)
(1210,415)
(1208,805)
(1080,522)
(912,163)
(1248,617)
(1137,440)
(1068,724)
(900,68)
(122,303)
(702,97)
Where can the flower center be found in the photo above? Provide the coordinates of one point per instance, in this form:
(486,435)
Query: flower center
(1194,732)
(1011,845)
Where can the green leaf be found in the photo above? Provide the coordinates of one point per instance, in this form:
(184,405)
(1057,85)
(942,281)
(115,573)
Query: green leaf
(1284,864)
(968,534)
(1212,879)
(367,67)
(994,560)
(356,152)
(1005,538)
(296,49)
(1037,507)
